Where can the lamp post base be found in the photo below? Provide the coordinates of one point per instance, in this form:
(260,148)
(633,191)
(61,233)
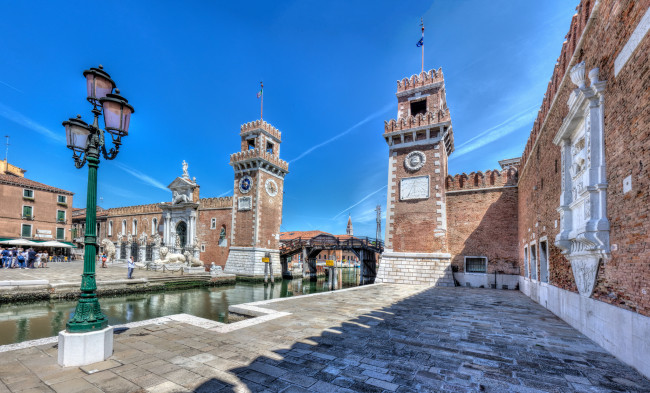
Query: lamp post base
(80,349)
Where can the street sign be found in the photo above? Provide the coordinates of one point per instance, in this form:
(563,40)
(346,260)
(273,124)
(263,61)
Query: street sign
(266,259)
(329,262)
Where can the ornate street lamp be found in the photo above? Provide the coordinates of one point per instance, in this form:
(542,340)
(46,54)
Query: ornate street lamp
(87,142)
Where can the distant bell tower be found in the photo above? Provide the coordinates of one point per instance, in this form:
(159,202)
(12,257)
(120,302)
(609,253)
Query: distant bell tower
(257,201)
(349,231)
(419,142)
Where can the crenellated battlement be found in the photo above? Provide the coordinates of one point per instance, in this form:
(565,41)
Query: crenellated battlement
(215,203)
(578,24)
(419,80)
(259,125)
(421,119)
(479,180)
(137,209)
(257,153)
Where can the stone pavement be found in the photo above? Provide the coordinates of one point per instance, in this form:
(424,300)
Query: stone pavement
(370,339)
(70,272)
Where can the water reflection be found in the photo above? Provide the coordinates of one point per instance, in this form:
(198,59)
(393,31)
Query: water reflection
(44,319)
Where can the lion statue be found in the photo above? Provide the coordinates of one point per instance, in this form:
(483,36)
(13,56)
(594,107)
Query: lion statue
(167,257)
(109,249)
(191,260)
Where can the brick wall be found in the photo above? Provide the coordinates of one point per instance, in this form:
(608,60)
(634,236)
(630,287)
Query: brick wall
(270,214)
(45,207)
(244,221)
(209,237)
(623,280)
(483,222)
(411,229)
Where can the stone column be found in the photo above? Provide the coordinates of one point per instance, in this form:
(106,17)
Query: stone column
(128,251)
(142,253)
(155,252)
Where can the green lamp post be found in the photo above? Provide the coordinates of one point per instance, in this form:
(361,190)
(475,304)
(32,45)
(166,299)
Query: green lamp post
(87,143)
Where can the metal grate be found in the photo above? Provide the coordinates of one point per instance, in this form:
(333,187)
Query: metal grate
(476,265)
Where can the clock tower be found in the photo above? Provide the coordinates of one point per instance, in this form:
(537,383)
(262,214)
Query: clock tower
(257,201)
(419,142)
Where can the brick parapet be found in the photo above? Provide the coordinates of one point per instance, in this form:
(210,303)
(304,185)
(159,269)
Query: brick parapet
(257,153)
(480,180)
(259,125)
(419,120)
(216,203)
(564,62)
(420,80)
(137,209)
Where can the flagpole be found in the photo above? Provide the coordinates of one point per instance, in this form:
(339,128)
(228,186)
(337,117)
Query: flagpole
(422,24)
(262,102)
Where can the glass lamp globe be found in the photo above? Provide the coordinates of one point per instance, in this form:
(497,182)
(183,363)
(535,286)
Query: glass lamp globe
(76,134)
(98,83)
(117,113)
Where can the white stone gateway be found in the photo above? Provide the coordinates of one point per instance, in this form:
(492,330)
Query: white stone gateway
(584,228)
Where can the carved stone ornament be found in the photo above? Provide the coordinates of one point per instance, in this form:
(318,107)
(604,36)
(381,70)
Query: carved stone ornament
(584,227)
(415,160)
(271,187)
(245,184)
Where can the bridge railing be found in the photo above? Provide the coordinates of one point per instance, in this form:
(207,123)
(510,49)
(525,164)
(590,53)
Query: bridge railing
(331,242)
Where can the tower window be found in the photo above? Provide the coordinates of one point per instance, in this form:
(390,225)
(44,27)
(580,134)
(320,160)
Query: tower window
(251,144)
(269,147)
(418,107)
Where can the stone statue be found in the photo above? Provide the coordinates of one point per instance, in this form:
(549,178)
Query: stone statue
(129,238)
(178,198)
(143,239)
(109,249)
(178,241)
(157,240)
(196,241)
(191,260)
(186,175)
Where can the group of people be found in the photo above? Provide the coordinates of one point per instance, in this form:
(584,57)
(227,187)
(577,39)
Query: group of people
(14,258)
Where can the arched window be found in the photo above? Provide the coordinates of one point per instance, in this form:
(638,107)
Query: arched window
(123,227)
(154,226)
(110,228)
(134,228)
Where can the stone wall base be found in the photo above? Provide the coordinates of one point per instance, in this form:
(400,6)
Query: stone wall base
(247,262)
(415,268)
(624,334)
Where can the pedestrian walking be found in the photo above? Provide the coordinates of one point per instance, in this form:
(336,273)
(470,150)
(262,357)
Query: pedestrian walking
(21,258)
(31,258)
(104,260)
(131,266)
(6,258)
(44,259)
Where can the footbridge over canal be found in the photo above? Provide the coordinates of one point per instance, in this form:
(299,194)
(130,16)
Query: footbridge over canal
(365,249)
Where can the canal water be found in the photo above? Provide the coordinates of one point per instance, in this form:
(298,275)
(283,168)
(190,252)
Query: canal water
(29,321)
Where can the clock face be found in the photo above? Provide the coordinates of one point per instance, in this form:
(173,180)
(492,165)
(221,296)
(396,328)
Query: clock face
(414,188)
(271,187)
(245,184)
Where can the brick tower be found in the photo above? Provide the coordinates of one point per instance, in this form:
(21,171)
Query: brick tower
(257,201)
(419,143)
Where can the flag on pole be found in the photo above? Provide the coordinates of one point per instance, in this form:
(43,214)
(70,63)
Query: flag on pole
(259,93)
(421,42)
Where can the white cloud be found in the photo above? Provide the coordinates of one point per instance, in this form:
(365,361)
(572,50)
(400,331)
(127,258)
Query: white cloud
(359,202)
(502,129)
(11,87)
(335,137)
(26,122)
(143,177)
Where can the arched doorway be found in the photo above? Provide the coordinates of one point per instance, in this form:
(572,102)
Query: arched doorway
(181,233)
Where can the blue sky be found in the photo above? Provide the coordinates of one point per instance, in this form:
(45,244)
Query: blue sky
(192,70)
